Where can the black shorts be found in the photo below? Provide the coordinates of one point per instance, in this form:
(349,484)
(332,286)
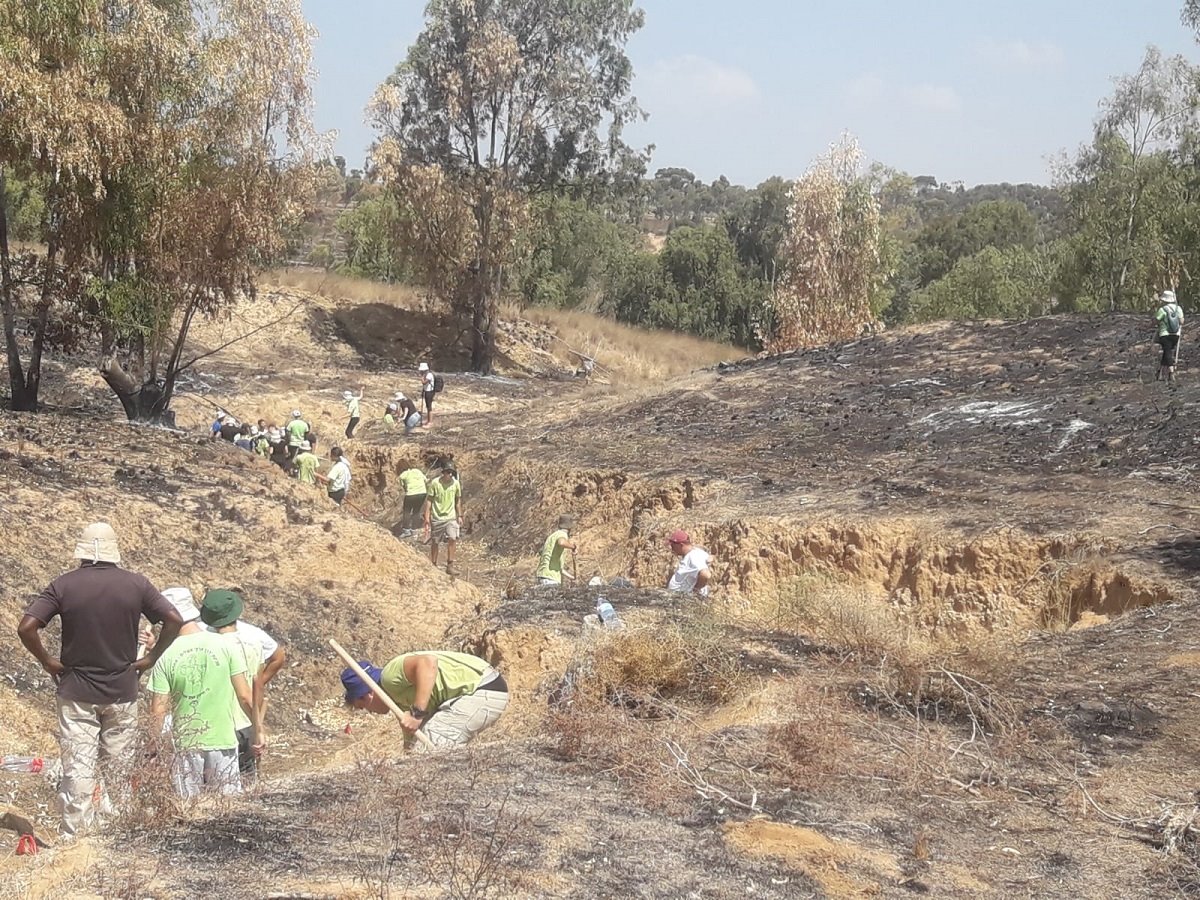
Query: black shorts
(429,395)
(413,503)
(1170,347)
(247,761)
(337,496)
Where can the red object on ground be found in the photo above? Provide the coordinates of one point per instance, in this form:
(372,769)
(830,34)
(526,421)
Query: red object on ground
(27,845)
(347,728)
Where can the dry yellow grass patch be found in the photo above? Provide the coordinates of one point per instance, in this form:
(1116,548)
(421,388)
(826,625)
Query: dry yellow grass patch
(343,287)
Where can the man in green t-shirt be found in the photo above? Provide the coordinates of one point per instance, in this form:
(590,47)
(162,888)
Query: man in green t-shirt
(550,566)
(196,680)
(306,463)
(415,487)
(297,431)
(443,514)
(451,697)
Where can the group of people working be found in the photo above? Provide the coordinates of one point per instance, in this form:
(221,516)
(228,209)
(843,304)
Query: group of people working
(208,675)
(432,507)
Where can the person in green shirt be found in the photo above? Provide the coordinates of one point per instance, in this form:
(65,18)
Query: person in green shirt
(352,408)
(450,697)
(415,487)
(443,515)
(196,680)
(550,566)
(389,417)
(297,430)
(1169,318)
(306,463)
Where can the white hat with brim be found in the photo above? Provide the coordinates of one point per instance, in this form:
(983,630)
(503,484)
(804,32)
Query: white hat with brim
(305,445)
(423,367)
(181,598)
(347,395)
(98,543)
(1166,297)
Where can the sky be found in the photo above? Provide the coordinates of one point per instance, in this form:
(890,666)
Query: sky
(963,90)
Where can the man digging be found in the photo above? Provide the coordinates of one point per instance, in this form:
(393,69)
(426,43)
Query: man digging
(550,565)
(450,697)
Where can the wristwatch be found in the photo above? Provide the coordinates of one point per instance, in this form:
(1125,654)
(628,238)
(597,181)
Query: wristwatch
(417,713)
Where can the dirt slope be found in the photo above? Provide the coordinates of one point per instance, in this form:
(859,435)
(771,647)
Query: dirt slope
(951,650)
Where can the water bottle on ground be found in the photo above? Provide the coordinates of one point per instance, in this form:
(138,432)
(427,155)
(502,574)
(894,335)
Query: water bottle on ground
(608,615)
(21,764)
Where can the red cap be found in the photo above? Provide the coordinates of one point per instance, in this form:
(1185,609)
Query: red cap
(679,537)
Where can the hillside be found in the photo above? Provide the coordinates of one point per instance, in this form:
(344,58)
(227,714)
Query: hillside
(950,651)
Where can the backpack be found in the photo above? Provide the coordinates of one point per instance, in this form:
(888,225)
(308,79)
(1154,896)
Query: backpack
(439,384)
(1173,323)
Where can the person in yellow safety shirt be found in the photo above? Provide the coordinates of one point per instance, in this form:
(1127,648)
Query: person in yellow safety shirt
(352,408)
(550,566)
(450,697)
(297,431)
(443,515)
(414,485)
(389,417)
(306,463)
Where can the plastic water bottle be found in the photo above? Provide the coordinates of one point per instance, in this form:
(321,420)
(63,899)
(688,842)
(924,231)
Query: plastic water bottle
(608,615)
(21,764)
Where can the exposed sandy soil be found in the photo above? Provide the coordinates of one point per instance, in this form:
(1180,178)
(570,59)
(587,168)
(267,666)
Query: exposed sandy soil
(954,570)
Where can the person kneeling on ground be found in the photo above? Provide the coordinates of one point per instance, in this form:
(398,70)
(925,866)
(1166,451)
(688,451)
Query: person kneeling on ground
(443,515)
(197,679)
(550,567)
(451,697)
(691,575)
(408,412)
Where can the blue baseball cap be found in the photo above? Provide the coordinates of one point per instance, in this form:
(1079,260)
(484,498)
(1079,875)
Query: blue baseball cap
(355,687)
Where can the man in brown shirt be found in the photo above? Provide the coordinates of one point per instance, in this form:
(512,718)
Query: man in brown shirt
(100,605)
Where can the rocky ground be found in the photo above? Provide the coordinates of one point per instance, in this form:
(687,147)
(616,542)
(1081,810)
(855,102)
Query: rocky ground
(950,652)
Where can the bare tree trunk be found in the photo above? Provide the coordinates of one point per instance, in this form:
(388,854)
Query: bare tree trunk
(33,377)
(16,375)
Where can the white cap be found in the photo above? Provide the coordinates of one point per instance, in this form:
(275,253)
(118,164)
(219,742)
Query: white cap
(423,367)
(305,445)
(295,413)
(347,395)
(181,599)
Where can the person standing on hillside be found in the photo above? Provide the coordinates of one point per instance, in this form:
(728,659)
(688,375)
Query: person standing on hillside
(221,612)
(550,566)
(306,463)
(198,680)
(352,409)
(691,575)
(428,391)
(1169,318)
(450,697)
(100,605)
(297,431)
(443,515)
(338,479)
(415,487)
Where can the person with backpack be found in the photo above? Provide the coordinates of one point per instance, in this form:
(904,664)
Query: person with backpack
(431,386)
(1170,329)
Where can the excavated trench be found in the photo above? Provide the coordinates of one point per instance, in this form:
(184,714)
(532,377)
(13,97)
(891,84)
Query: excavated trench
(930,577)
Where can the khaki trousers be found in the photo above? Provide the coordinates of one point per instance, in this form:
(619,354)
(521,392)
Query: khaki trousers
(459,720)
(94,738)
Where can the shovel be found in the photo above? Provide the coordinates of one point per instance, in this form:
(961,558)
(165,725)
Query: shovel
(378,690)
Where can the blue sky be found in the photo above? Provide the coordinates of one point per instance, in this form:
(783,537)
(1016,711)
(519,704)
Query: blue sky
(968,90)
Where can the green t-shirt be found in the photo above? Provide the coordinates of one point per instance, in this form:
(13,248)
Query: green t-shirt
(1160,315)
(458,674)
(414,482)
(389,420)
(352,407)
(442,498)
(552,557)
(197,671)
(296,430)
(306,466)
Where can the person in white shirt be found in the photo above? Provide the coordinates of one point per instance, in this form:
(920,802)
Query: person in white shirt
(428,380)
(353,409)
(338,480)
(691,575)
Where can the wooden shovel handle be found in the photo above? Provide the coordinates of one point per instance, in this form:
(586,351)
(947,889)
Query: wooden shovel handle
(377,689)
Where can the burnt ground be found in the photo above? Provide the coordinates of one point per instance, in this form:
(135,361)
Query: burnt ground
(979,466)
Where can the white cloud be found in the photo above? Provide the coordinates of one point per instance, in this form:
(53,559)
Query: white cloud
(871,90)
(1022,56)
(702,79)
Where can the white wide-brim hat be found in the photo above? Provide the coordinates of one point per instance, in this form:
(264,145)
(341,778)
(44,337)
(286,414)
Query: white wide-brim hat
(181,598)
(98,543)
(423,367)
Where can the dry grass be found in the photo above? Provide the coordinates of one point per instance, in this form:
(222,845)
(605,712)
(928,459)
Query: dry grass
(343,287)
(632,354)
